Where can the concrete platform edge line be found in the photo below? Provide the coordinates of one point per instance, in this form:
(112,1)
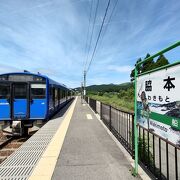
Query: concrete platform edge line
(141,172)
(45,167)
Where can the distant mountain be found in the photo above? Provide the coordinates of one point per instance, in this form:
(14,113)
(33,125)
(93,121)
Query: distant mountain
(108,87)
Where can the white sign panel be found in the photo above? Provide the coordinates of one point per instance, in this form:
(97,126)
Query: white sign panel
(158,101)
(41,86)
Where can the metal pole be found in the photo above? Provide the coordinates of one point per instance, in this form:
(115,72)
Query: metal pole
(84,84)
(135,125)
(110,118)
(160,52)
(81,91)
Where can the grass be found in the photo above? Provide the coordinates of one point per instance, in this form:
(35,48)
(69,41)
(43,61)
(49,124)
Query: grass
(126,103)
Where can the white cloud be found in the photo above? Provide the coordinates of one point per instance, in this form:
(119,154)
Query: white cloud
(49,36)
(120,69)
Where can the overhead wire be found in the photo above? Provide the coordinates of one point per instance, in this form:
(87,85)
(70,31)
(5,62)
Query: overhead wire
(98,36)
(108,23)
(92,32)
(86,43)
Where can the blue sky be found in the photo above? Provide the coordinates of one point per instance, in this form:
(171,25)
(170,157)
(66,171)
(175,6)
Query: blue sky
(49,36)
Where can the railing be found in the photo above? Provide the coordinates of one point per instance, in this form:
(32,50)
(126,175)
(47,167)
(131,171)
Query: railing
(87,99)
(159,157)
(92,103)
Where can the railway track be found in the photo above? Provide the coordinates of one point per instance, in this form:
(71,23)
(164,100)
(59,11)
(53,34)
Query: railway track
(9,144)
(5,142)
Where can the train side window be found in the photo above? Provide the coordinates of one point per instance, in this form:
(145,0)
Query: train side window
(38,91)
(20,91)
(52,93)
(4,91)
(56,95)
(53,89)
(61,94)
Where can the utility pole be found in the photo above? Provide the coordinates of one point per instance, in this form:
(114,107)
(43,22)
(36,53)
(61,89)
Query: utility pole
(84,84)
(81,91)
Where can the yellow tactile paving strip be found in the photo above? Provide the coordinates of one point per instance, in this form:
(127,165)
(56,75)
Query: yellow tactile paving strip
(45,167)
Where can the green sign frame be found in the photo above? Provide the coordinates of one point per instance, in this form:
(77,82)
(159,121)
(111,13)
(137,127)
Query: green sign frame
(136,75)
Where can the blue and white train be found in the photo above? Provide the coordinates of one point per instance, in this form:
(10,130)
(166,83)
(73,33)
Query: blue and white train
(29,99)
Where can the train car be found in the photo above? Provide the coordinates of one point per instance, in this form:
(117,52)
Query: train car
(28,100)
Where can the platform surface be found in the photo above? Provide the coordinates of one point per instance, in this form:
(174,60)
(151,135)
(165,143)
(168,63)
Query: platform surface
(21,164)
(72,146)
(88,152)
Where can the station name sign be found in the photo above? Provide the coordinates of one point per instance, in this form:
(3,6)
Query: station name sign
(158,102)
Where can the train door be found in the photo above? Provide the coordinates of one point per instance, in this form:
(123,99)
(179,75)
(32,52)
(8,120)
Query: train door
(20,101)
(5,109)
(38,101)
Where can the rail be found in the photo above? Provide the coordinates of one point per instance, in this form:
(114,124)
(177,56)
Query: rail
(5,142)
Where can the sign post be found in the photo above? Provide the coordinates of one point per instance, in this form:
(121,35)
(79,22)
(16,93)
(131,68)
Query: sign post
(135,124)
(145,90)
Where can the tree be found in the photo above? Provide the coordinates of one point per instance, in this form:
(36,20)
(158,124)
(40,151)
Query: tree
(139,70)
(147,65)
(161,61)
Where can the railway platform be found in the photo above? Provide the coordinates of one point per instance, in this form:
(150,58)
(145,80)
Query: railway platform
(72,146)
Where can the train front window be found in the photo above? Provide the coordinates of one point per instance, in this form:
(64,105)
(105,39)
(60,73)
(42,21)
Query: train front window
(20,91)
(4,91)
(38,91)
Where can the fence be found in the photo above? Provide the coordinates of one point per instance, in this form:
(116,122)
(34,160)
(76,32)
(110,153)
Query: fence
(157,156)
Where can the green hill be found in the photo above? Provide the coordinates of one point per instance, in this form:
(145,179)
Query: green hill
(108,87)
(117,95)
